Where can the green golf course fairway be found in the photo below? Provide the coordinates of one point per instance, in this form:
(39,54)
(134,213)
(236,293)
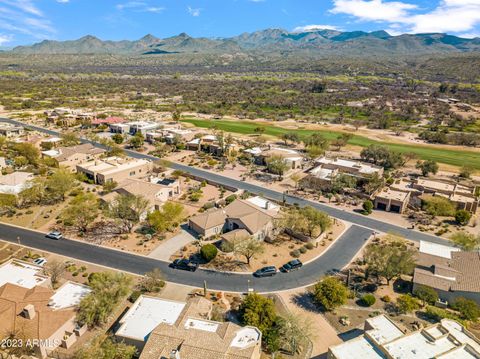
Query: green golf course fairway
(427,152)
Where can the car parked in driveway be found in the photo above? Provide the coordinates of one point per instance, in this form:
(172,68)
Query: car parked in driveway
(291,266)
(184,264)
(40,262)
(54,235)
(265,272)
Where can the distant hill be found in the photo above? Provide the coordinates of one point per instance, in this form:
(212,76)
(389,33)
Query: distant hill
(322,42)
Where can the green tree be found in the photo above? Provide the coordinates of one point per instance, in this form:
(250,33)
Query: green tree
(248,247)
(290,137)
(426,295)
(466,241)
(389,258)
(118,138)
(277,165)
(103,347)
(127,210)
(373,184)
(382,156)
(341,182)
(137,141)
(59,183)
(167,218)
(466,171)
(367,207)
(8,203)
(468,308)
(438,206)
(427,167)
(208,252)
(316,140)
(307,221)
(462,217)
(107,290)
(70,139)
(407,304)
(330,293)
(28,151)
(258,311)
(81,211)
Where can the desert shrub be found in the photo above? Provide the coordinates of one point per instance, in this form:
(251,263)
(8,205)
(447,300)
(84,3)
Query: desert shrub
(309,246)
(386,299)
(208,252)
(368,300)
(295,253)
(230,198)
(303,250)
(134,296)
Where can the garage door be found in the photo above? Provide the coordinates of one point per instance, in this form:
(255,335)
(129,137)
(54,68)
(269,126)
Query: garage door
(395,209)
(382,206)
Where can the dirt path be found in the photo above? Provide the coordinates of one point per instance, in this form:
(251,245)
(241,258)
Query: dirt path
(325,335)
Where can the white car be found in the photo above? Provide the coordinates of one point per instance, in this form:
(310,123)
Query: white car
(40,262)
(54,235)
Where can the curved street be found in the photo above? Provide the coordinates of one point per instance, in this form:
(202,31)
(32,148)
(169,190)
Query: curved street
(335,258)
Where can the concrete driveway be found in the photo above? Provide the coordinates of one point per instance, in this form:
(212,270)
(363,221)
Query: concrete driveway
(169,247)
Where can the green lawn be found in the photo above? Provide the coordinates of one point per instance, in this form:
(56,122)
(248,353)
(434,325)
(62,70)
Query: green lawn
(447,156)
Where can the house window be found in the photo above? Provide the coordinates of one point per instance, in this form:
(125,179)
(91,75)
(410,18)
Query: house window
(132,173)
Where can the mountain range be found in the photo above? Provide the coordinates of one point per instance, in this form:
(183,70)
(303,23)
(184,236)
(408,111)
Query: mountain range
(322,42)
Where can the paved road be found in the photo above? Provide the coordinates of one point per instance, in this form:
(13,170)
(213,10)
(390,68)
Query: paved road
(354,218)
(335,258)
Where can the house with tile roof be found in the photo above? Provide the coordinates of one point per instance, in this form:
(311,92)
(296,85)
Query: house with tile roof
(72,156)
(451,272)
(157,190)
(30,309)
(254,216)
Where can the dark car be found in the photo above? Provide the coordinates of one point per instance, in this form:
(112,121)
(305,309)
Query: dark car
(266,272)
(292,265)
(54,235)
(184,264)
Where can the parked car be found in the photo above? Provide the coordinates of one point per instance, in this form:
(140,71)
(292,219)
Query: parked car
(40,262)
(184,264)
(54,235)
(291,266)
(266,272)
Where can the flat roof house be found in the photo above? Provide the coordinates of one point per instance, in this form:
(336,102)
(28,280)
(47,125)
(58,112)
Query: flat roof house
(451,272)
(142,127)
(391,200)
(114,169)
(383,339)
(464,196)
(15,182)
(168,329)
(34,311)
(8,130)
(326,169)
(72,156)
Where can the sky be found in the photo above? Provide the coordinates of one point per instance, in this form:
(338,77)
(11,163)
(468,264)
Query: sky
(30,21)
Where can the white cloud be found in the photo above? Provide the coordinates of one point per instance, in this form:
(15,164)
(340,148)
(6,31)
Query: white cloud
(454,16)
(23,17)
(139,6)
(373,10)
(193,12)
(5,39)
(63,1)
(309,28)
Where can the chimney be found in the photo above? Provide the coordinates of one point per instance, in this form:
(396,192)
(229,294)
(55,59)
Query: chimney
(29,311)
(175,354)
